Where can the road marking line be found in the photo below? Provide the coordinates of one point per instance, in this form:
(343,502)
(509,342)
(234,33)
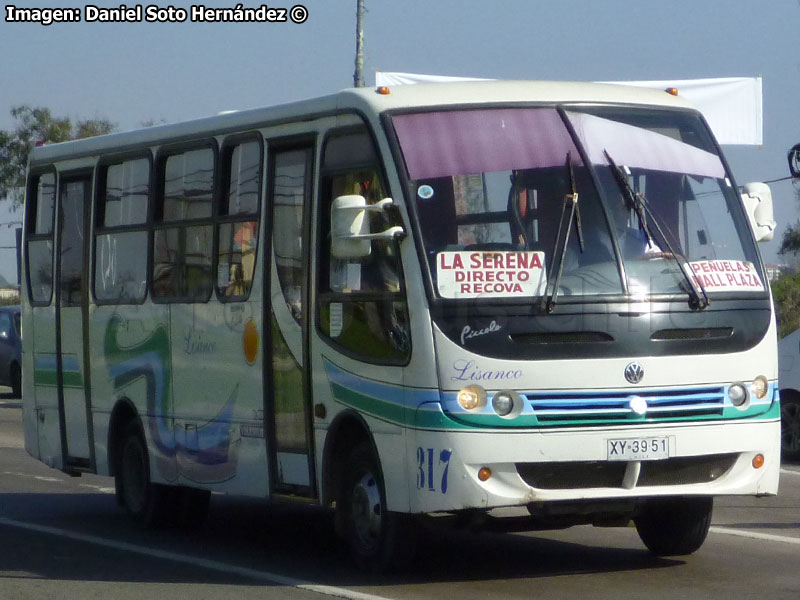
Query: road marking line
(39,477)
(753,534)
(264,576)
(100,488)
(790,472)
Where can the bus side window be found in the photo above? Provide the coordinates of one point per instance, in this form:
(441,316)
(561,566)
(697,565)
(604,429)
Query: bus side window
(120,266)
(183,236)
(41,210)
(238,211)
(362,305)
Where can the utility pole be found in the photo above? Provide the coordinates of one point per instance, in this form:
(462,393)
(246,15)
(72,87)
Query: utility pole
(358,76)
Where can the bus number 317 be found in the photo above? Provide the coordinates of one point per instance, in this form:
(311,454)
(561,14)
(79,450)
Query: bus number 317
(427,469)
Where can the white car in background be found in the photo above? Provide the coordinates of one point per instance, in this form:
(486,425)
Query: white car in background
(789,381)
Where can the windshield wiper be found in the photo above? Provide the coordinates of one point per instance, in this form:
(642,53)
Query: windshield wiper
(571,211)
(637,201)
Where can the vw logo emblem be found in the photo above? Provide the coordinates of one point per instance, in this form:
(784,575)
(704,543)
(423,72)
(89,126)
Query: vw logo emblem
(634,372)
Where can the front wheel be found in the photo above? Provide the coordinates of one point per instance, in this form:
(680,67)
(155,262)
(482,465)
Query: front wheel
(379,540)
(674,526)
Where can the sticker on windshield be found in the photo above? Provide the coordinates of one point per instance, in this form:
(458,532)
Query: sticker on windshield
(727,276)
(425,192)
(490,274)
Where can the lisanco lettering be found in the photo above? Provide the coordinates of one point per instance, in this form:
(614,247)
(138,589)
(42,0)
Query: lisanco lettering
(469,333)
(467,370)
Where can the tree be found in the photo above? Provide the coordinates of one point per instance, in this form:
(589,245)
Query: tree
(786,292)
(36,124)
(790,244)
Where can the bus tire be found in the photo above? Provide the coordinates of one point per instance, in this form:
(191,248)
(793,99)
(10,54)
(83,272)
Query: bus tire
(380,541)
(144,500)
(674,526)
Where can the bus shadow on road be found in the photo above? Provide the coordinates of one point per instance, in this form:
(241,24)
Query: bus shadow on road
(295,542)
(300,542)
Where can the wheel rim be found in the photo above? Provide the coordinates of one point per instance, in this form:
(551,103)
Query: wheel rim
(133,476)
(366,512)
(790,427)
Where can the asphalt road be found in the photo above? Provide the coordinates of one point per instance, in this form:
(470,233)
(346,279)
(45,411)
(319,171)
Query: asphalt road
(63,537)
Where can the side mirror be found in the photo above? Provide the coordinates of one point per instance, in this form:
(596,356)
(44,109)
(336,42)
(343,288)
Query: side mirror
(757,199)
(350,236)
(794,161)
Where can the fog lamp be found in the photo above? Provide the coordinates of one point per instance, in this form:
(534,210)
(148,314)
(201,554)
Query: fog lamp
(503,403)
(738,394)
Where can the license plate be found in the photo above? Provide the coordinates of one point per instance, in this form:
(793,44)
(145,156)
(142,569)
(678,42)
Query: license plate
(645,448)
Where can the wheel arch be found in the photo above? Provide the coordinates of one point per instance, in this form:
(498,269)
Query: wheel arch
(347,431)
(790,424)
(790,394)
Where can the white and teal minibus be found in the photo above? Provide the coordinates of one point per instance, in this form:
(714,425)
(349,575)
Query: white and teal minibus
(523,305)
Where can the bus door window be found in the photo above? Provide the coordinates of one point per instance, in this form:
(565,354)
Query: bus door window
(287,233)
(41,204)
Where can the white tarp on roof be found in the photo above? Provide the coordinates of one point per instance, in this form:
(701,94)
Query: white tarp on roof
(731,105)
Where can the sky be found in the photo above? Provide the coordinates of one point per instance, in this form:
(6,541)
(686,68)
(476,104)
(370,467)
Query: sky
(137,72)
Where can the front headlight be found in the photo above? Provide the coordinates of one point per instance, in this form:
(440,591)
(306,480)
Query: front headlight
(472,398)
(760,387)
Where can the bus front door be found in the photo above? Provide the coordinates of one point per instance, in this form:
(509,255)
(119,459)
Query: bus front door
(74,406)
(288,402)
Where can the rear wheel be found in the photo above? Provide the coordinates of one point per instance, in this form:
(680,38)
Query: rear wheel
(379,540)
(674,526)
(145,501)
(790,426)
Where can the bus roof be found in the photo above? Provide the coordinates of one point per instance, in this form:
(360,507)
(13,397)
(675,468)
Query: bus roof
(368,101)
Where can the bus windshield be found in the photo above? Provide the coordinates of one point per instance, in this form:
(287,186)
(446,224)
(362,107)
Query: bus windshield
(510,201)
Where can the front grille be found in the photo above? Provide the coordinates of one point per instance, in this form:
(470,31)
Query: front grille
(567,408)
(600,474)
(685,470)
(572,475)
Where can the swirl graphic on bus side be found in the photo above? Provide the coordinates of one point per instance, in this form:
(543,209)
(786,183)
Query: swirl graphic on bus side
(203,453)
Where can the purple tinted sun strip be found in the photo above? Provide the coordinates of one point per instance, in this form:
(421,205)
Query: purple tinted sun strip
(460,142)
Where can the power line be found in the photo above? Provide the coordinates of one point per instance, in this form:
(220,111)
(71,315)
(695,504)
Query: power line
(780,179)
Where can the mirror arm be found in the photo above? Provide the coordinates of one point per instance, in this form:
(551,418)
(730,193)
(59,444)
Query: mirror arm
(379,206)
(393,233)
